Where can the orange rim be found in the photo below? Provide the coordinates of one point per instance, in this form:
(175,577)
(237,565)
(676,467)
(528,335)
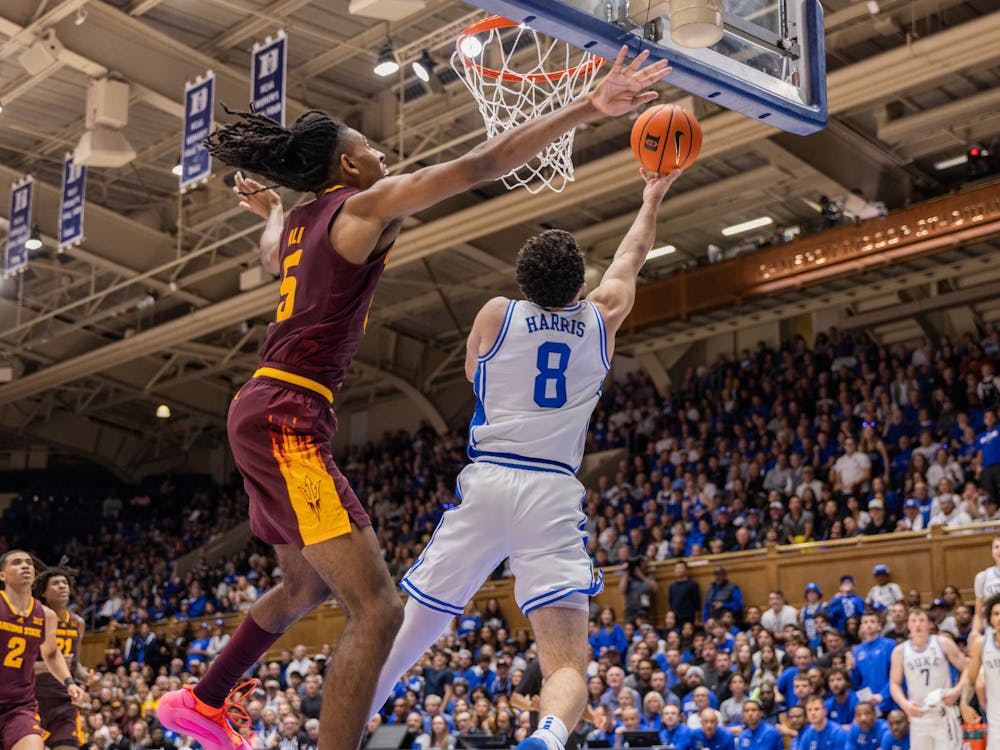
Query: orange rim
(499,22)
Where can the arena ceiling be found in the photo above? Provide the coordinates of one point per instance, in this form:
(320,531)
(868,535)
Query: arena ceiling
(149,308)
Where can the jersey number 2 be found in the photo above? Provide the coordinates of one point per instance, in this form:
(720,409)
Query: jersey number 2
(287,290)
(547,373)
(15,647)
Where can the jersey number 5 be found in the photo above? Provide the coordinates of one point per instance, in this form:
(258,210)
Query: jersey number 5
(287,290)
(549,375)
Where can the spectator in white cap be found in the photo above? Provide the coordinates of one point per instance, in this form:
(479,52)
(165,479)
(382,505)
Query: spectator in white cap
(884,592)
(913,518)
(881,522)
(949,515)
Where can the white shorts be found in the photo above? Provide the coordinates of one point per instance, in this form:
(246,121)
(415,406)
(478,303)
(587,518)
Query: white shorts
(937,730)
(532,517)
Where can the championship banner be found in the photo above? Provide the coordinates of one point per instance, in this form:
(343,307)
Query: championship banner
(74,188)
(267,77)
(16,255)
(196,162)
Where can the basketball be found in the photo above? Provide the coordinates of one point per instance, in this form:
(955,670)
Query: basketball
(666,137)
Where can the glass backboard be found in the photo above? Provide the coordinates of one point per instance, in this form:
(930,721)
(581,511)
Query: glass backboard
(769,64)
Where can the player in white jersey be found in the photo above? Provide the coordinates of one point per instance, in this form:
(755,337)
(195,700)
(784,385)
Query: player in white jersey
(925,662)
(987,584)
(537,368)
(984,662)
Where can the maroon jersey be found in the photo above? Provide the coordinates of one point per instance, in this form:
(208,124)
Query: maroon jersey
(69,631)
(21,637)
(323,310)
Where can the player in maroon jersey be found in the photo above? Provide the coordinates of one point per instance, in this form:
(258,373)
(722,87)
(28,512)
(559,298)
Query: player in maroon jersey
(330,253)
(61,724)
(27,629)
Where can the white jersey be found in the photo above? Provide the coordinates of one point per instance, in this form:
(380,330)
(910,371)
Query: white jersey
(926,670)
(991,674)
(537,387)
(987,582)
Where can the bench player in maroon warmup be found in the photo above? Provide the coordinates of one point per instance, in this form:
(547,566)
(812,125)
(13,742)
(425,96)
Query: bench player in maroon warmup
(27,630)
(61,726)
(330,253)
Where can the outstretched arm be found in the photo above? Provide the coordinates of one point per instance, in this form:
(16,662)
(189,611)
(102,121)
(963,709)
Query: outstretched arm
(267,205)
(621,91)
(616,292)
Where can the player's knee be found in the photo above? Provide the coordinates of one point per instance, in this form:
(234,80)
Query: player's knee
(305,595)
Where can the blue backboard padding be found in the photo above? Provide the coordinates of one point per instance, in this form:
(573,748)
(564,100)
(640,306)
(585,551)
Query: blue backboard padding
(582,29)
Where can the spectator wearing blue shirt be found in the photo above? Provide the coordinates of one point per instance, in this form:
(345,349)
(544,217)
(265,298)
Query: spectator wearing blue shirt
(802,661)
(841,704)
(722,594)
(821,734)
(898,736)
(674,734)
(807,615)
(757,734)
(608,635)
(872,660)
(988,444)
(711,736)
(605,726)
(845,604)
(866,731)
(198,649)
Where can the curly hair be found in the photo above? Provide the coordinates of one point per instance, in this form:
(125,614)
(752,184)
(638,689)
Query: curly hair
(46,575)
(297,157)
(550,268)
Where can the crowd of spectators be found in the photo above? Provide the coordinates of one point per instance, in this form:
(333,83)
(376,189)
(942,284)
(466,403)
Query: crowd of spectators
(713,669)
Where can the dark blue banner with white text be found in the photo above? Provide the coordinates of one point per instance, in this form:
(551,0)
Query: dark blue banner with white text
(267,77)
(16,253)
(74,188)
(196,162)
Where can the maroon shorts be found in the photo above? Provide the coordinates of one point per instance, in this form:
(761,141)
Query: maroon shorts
(280,436)
(60,723)
(18,720)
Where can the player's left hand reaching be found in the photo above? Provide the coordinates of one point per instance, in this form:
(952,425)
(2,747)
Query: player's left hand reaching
(259,203)
(78,695)
(624,88)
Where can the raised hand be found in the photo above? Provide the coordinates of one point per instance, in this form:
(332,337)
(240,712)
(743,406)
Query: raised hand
(624,88)
(261,203)
(657,185)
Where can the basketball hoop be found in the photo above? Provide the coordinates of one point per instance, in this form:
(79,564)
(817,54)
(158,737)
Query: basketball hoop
(508,97)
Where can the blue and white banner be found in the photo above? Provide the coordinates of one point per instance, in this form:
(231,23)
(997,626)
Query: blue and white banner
(267,77)
(74,189)
(16,255)
(196,162)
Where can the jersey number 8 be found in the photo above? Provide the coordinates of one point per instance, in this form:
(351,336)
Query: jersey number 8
(547,373)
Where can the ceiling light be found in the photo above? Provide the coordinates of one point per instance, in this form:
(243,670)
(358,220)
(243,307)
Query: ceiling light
(423,66)
(386,64)
(81,16)
(163,411)
(177,169)
(746,226)
(952,162)
(1,107)
(660,252)
(470,46)
(873,6)
(34,242)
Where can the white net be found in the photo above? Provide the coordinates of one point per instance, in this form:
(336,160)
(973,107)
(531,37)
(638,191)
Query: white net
(516,74)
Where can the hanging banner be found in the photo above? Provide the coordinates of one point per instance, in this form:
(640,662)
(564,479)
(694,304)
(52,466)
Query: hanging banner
(16,255)
(196,162)
(74,188)
(267,77)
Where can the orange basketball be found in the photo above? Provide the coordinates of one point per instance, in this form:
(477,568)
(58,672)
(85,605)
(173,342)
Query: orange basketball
(666,137)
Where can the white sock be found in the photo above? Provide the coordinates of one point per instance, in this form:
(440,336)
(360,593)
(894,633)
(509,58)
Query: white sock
(552,732)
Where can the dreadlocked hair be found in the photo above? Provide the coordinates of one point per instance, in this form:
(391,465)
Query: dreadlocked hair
(297,157)
(550,268)
(47,574)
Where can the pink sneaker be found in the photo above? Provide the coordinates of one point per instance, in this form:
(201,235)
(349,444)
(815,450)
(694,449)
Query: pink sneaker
(182,711)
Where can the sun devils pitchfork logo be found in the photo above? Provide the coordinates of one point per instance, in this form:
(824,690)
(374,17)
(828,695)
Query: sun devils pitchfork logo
(311,492)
